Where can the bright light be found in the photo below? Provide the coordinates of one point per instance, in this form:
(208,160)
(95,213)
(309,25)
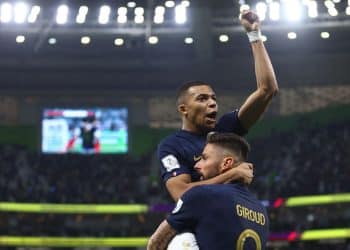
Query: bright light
(52,41)
(332,12)
(139,11)
(20,39)
(153,40)
(21,12)
(312,9)
(347,11)
(62,14)
(329,4)
(118,41)
(185,3)
(336,1)
(122,19)
(223,38)
(244,7)
(6,12)
(261,9)
(325,35)
(274,11)
(159,10)
(169,4)
(85,40)
(263,38)
(139,19)
(105,11)
(122,11)
(188,40)
(33,15)
(158,19)
(292,35)
(180,14)
(131,4)
(293,10)
(81,17)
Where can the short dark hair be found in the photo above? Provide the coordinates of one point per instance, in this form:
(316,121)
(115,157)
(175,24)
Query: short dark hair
(231,142)
(182,90)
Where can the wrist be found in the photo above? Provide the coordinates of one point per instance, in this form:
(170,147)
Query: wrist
(254,35)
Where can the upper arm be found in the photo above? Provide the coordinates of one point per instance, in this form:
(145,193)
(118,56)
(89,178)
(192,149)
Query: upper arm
(161,237)
(178,185)
(253,108)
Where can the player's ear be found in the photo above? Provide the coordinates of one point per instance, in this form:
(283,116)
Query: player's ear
(228,163)
(182,109)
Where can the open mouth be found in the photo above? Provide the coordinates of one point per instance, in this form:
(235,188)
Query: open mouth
(212,115)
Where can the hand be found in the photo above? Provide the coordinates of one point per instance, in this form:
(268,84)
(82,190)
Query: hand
(249,20)
(245,172)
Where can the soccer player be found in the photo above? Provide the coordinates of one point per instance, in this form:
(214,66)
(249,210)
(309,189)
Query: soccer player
(222,216)
(198,108)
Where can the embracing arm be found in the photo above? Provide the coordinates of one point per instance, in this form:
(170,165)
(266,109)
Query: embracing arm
(179,184)
(161,237)
(267,86)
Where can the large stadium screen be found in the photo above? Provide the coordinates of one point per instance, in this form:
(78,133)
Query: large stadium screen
(85,131)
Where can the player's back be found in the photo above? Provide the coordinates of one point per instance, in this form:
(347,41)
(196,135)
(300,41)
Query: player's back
(231,218)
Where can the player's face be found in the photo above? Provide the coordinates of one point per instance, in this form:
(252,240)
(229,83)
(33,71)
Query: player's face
(210,163)
(201,107)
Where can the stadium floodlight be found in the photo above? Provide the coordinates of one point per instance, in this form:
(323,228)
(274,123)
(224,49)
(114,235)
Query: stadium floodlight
(6,12)
(329,4)
(261,9)
(293,10)
(159,10)
(122,19)
(34,13)
(105,11)
(188,40)
(169,4)
(325,35)
(20,39)
(158,19)
(81,17)
(312,9)
(52,41)
(186,3)
(62,14)
(274,11)
(347,11)
(336,1)
(292,35)
(118,41)
(122,11)
(21,11)
(180,14)
(153,40)
(85,40)
(332,12)
(223,38)
(244,7)
(139,11)
(131,4)
(139,19)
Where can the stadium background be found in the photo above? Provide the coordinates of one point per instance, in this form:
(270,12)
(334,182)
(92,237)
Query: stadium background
(300,147)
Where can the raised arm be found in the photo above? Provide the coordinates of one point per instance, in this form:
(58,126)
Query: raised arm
(267,86)
(180,184)
(161,237)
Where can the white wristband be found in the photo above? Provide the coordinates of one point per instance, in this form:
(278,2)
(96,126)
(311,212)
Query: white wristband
(254,35)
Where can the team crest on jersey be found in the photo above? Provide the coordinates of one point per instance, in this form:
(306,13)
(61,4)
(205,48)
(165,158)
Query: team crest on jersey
(178,206)
(170,163)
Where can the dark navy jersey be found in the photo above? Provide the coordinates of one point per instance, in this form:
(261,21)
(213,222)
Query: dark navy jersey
(222,217)
(179,152)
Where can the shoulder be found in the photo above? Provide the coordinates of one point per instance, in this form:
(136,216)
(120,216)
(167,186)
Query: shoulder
(199,192)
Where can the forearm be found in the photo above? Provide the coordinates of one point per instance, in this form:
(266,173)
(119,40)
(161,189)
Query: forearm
(265,75)
(161,237)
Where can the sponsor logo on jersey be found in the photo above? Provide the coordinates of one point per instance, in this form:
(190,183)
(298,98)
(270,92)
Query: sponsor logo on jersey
(197,158)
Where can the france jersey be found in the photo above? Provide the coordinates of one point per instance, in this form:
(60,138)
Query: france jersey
(222,217)
(179,152)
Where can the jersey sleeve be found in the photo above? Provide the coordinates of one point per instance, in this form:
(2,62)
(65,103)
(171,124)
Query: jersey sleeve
(171,160)
(188,210)
(230,123)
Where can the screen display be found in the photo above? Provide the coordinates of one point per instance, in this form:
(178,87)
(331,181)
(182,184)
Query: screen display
(85,131)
